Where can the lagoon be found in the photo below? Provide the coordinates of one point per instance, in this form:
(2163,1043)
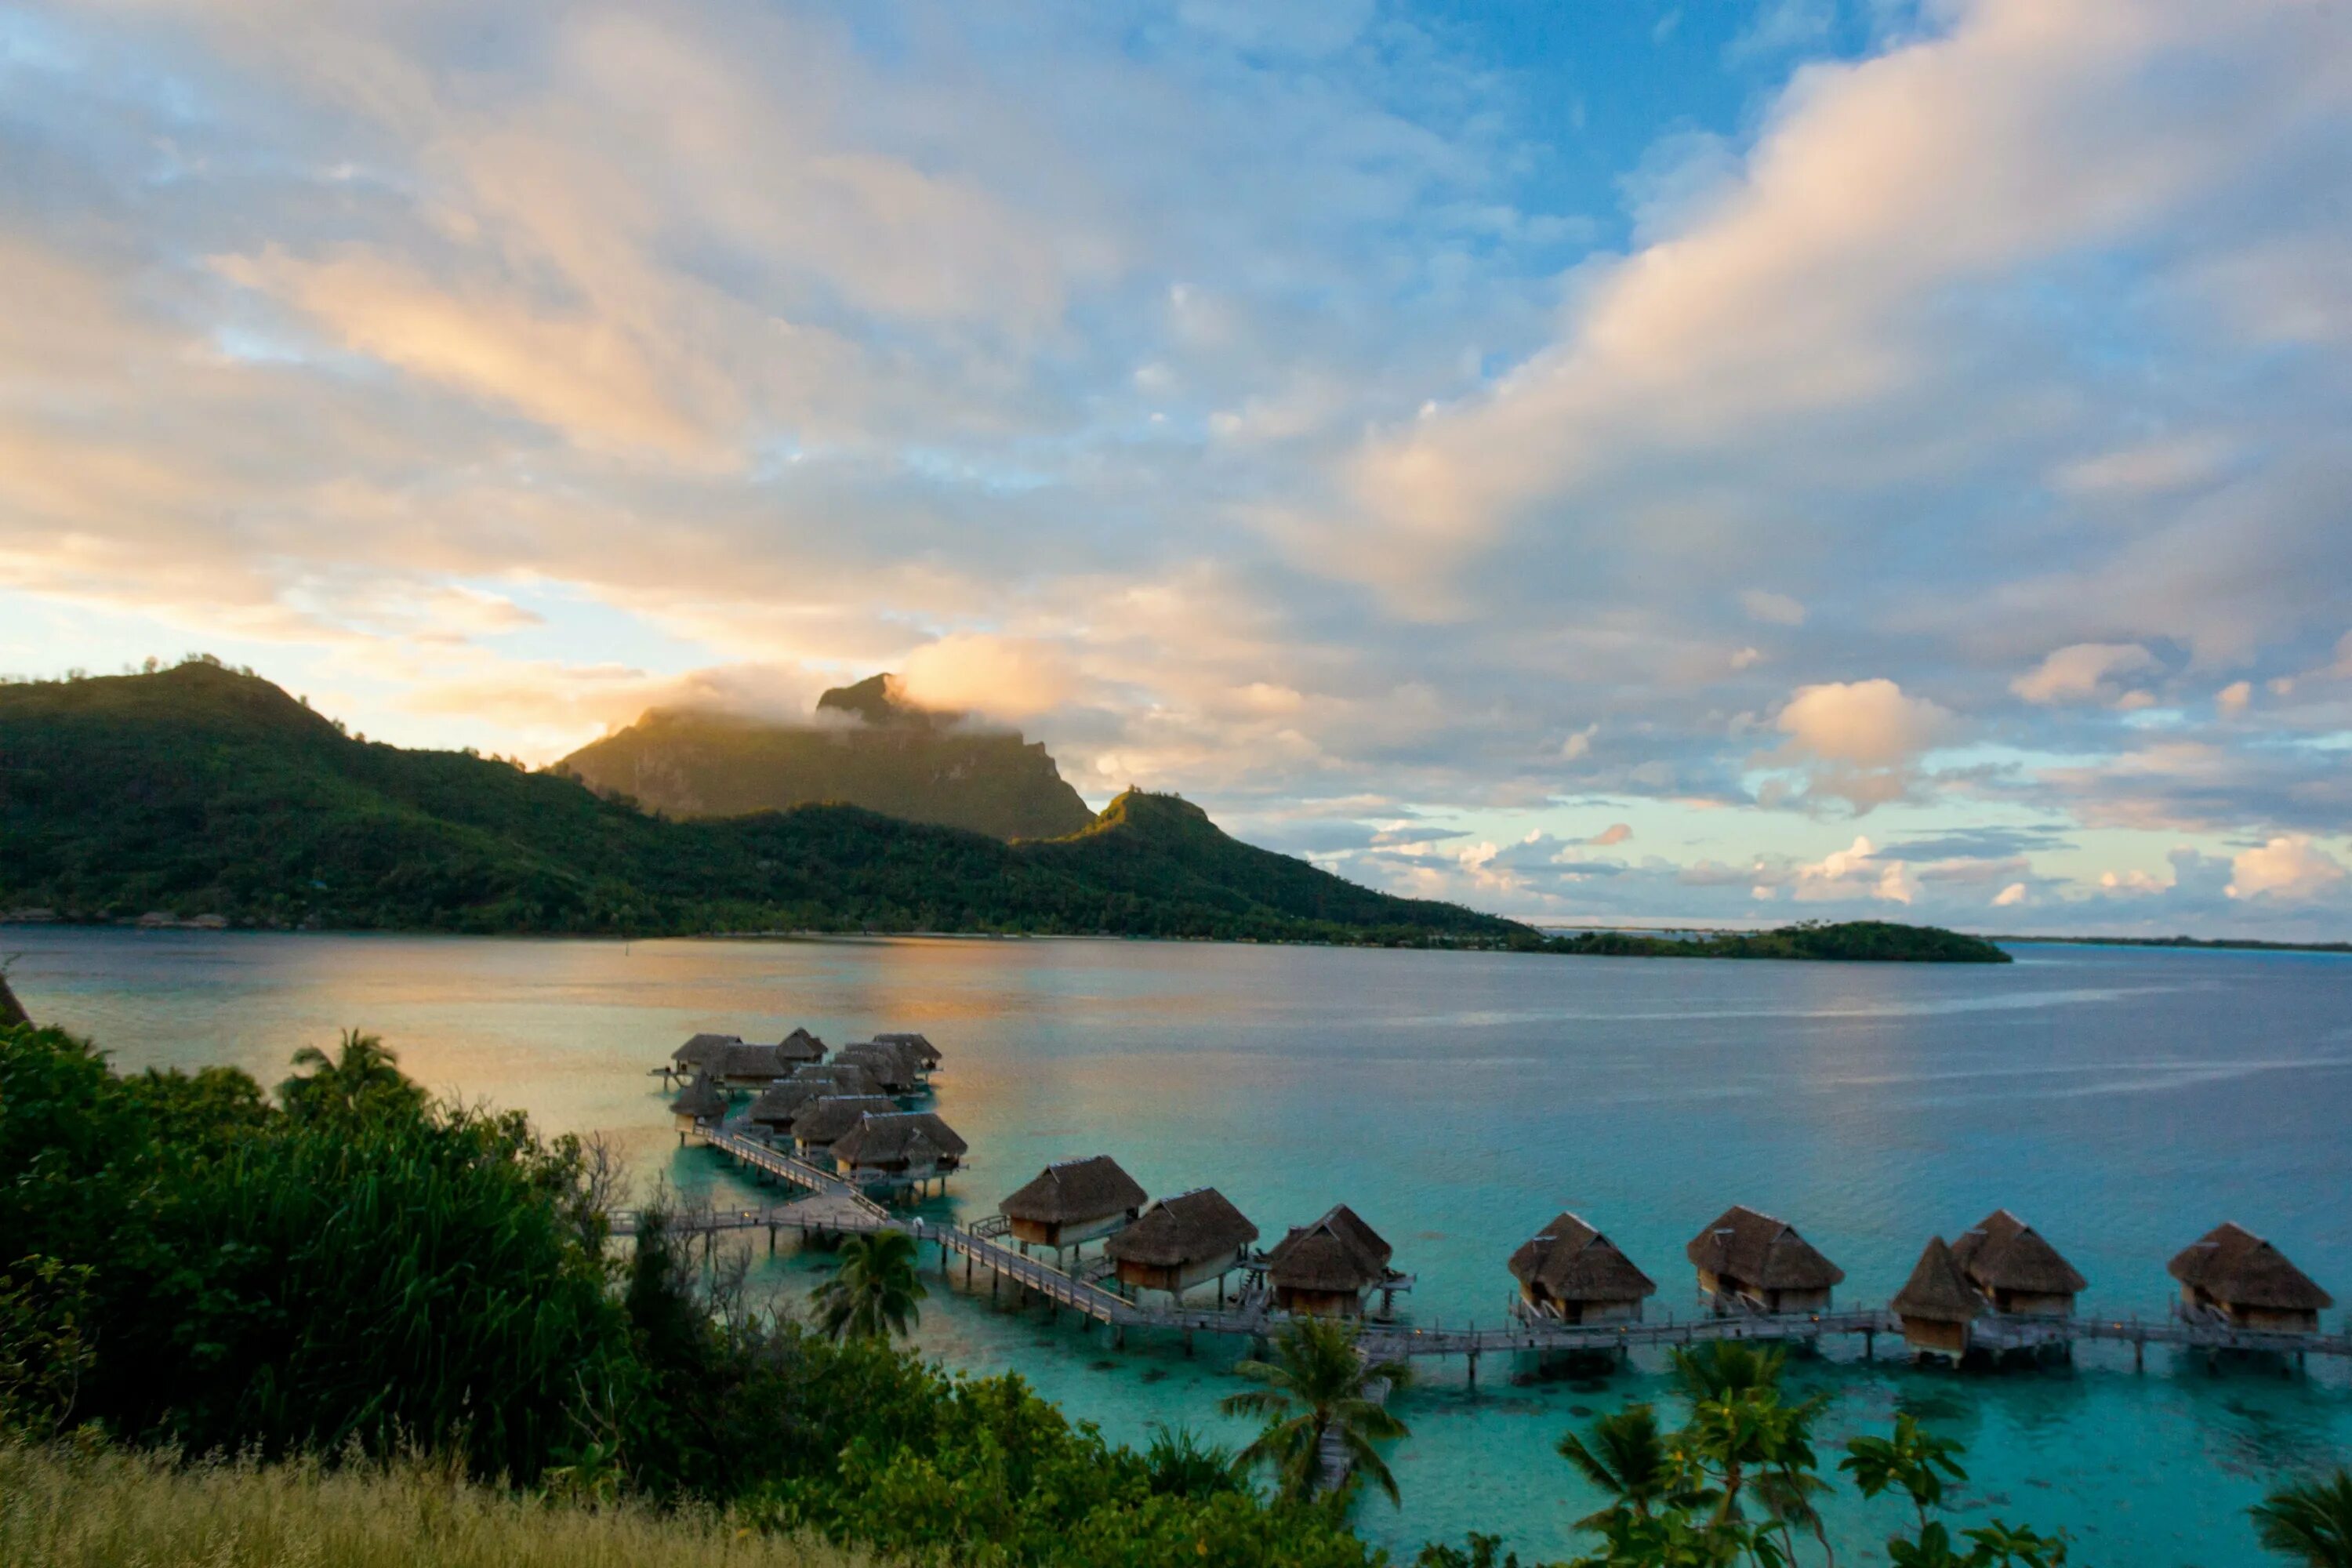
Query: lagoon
(2122,1099)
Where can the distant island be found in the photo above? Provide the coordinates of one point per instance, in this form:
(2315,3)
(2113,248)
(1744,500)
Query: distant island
(865,745)
(204,796)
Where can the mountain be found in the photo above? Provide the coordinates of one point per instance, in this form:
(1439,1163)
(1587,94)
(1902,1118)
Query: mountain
(875,751)
(200,791)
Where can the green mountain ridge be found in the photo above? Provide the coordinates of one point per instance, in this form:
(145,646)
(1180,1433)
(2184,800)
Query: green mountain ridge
(199,791)
(878,753)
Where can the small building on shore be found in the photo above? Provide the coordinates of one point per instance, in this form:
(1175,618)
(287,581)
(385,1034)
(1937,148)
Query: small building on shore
(891,1067)
(1570,1273)
(920,1051)
(2008,1262)
(827,1117)
(1181,1242)
(700,1051)
(1749,1261)
(798,1047)
(1327,1268)
(2231,1275)
(1072,1202)
(701,1102)
(1938,1304)
(910,1146)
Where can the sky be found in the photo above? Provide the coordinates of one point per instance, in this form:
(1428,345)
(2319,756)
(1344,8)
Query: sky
(1605,461)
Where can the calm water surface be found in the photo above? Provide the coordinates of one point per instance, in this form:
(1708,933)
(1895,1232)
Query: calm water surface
(2122,1099)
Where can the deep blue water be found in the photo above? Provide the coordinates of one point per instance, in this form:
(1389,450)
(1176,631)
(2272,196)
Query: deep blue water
(2122,1099)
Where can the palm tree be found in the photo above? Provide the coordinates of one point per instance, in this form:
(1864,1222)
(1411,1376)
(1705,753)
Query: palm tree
(1915,1459)
(872,1296)
(2310,1521)
(1720,1369)
(1627,1459)
(1319,1388)
(363,1072)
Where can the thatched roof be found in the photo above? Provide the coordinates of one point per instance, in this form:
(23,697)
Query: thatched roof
(2004,1253)
(1936,1290)
(911,1138)
(845,1077)
(830,1116)
(699,1051)
(779,1103)
(739,1062)
(1573,1262)
(800,1046)
(1190,1228)
(1758,1250)
(2232,1263)
(926,1055)
(889,1065)
(1338,1252)
(703,1100)
(1076,1190)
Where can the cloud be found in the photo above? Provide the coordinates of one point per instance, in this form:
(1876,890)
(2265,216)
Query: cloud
(2014,894)
(1616,832)
(2289,868)
(1857,742)
(1774,609)
(1000,676)
(2233,700)
(2085,672)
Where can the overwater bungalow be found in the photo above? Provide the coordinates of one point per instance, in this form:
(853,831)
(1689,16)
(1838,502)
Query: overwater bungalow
(701,1101)
(1753,1262)
(1181,1242)
(891,1067)
(1072,1202)
(1327,1268)
(925,1055)
(700,1051)
(780,1104)
(800,1046)
(844,1077)
(747,1066)
(2232,1276)
(1570,1272)
(828,1117)
(912,1146)
(1938,1303)
(2007,1262)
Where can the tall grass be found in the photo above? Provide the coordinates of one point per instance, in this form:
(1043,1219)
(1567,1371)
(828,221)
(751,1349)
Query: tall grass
(62,1508)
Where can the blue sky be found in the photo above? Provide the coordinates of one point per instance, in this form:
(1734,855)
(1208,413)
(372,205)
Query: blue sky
(1606,461)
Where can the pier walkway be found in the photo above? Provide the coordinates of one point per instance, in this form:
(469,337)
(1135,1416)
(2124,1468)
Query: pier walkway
(834,1206)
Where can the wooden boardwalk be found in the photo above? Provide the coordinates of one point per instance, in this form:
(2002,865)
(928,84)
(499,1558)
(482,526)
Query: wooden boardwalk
(834,1206)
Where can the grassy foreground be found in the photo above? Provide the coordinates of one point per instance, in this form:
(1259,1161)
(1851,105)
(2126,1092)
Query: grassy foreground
(63,1509)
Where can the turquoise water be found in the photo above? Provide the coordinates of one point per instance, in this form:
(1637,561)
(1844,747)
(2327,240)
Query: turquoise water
(2123,1100)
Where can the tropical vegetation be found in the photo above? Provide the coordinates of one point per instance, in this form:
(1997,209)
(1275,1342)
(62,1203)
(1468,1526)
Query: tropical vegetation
(201,793)
(1319,1392)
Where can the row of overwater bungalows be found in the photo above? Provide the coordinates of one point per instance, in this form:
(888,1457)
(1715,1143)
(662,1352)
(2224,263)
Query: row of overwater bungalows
(846,1111)
(1748,1262)
(1181,1242)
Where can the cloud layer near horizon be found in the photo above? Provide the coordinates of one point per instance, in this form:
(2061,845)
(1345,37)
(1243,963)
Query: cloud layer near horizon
(1906,478)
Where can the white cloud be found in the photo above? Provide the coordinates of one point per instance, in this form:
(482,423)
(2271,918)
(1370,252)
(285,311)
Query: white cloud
(2085,672)
(998,676)
(2015,894)
(1774,609)
(1867,723)
(2232,700)
(2289,868)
